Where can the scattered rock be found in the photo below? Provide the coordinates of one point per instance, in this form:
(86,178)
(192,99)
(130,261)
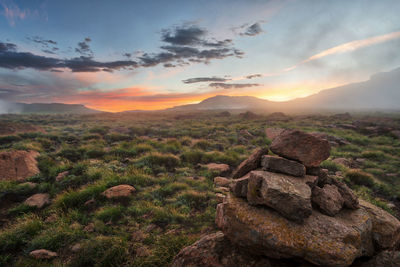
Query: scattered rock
(222,181)
(18,165)
(89,228)
(301,146)
(61,176)
(221,169)
(251,163)
(239,186)
(90,203)
(271,133)
(38,200)
(220,197)
(76,247)
(282,165)
(328,199)
(321,240)
(385,227)
(119,191)
(43,254)
(288,195)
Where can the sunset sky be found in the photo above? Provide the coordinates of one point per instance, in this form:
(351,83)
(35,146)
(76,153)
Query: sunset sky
(126,55)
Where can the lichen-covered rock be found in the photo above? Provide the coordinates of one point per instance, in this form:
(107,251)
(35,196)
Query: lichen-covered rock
(290,196)
(215,250)
(18,165)
(239,186)
(385,227)
(119,191)
(328,199)
(282,165)
(251,163)
(38,200)
(301,146)
(321,240)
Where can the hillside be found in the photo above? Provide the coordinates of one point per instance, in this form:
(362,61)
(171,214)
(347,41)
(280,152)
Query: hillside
(52,108)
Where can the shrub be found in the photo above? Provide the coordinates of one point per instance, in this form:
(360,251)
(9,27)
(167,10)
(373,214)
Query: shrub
(194,199)
(95,153)
(111,213)
(155,160)
(72,154)
(360,178)
(8,140)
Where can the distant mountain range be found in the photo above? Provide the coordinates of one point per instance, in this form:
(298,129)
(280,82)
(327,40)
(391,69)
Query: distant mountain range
(52,108)
(380,92)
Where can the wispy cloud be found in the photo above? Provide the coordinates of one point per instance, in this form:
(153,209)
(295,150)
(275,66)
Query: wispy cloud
(13,13)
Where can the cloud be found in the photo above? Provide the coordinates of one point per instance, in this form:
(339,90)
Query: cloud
(12,12)
(5,47)
(84,49)
(233,85)
(183,35)
(48,46)
(253,30)
(204,79)
(252,76)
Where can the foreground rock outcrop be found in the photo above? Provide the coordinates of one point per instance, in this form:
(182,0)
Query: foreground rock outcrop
(18,165)
(280,216)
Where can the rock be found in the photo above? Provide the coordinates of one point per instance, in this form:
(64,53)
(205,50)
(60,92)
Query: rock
(76,247)
(43,254)
(333,140)
(221,169)
(38,200)
(90,203)
(222,181)
(239,186)
(282,165)
(321,240)
(18,165)
(301,146)
(288,195)
(349,198)
(61,176)
(271,133)
(89,228)
(328,199)
(385,227)
(251,163)
(220,197)
(215,250)
(386,258)
(119,191)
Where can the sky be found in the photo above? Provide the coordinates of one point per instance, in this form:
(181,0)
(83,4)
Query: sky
(128,55)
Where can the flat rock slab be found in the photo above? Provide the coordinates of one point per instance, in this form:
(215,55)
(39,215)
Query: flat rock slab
(303,147)
(38,200)
(321,240)
(119,191)
(251,163)
(282,165)
(290,196)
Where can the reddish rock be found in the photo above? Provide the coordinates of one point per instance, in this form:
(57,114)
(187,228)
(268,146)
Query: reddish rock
(328,199)
(239,186)
(301,146)
(119,191)
(387,258)
(251,163)
(220,197)
(289,196)
(221,169)
(18,165)
(38,200)
(222,181)
(43,254)
(282,165)
(61,176)
(271,133)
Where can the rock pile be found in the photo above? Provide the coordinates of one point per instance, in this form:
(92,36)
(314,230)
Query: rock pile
(286,211)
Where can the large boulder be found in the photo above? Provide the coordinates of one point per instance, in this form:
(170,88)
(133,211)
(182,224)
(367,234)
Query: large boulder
(282,165)
(119,191)
(290,196)
(251,163)
(38,200)
(301,146)
(18,165)
(321,240)
(328,199)
(215,250)
(385,227)
(271,133)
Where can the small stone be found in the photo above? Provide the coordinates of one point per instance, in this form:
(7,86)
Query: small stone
(43,254)
(222,181)
(119,191)
(90,203)
(328,199)
(61,176)
(282,165)
(76,247)
(89,228)
(38,200)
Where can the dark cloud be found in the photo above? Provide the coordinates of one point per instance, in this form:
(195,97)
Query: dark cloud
(252,76)
(19,60)
(215,43)
(4,47)
(184,35)
(233,85)
(48,46)
(87,64)
(84,48)
(128,55)
(205,79)
(253,30)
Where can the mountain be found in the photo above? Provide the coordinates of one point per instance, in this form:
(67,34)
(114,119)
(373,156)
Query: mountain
(380,92)
(52,108)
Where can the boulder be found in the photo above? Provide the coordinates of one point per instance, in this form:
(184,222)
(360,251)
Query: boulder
(221,169)
(271,133)
(349,198)
(385,227)
(215,250)
(43,254)
(251,163)
(239,186)
(38,200)
(328,199)
(18,165)
(222,181)
(282,165)
(386,258)
(321,240)
(119,191)
(289,196)
(301,146)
